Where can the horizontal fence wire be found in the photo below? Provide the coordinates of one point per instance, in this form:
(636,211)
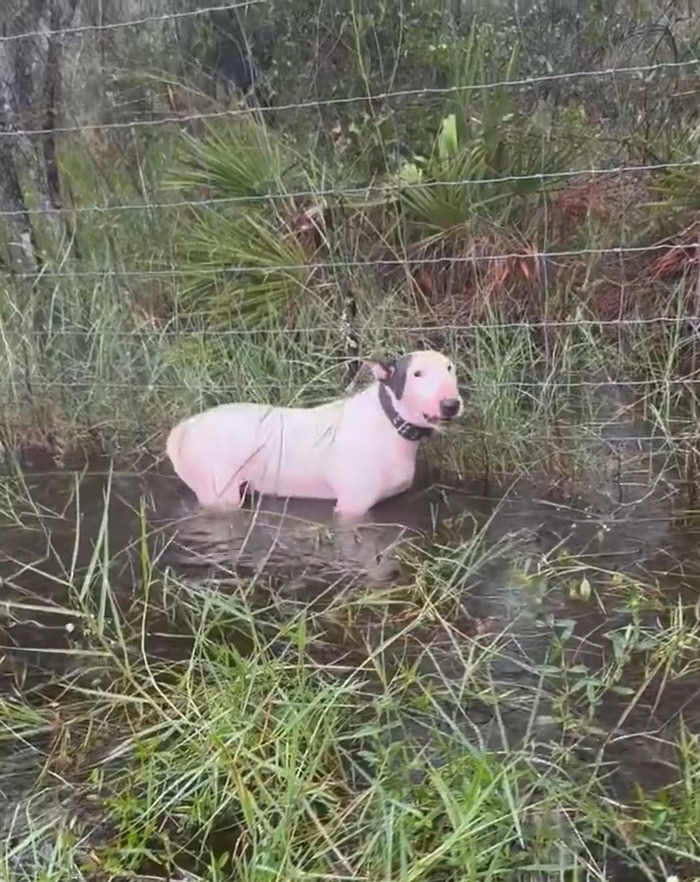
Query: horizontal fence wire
(355,192)
(612,251)
(130,23)
(435,91)
(582,433)
(154,386)
(643,439)
(166,330)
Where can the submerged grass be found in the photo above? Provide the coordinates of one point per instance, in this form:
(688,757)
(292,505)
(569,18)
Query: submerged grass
(214,730)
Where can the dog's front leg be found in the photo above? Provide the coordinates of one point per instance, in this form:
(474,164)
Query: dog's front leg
(362,546)
(349,516)
(351,512)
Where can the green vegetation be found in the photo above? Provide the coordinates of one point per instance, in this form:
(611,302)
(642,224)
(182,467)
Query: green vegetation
(227,272)
(414,164)
(224,729)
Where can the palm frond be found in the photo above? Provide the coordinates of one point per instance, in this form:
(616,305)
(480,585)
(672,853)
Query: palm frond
(243,161)
(245,269)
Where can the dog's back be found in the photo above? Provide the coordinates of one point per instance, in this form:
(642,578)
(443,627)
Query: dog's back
(274,450)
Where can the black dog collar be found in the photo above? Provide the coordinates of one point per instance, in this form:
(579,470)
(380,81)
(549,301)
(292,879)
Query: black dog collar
(408,431)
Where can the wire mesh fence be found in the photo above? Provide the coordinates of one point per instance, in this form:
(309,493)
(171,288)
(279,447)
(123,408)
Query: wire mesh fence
(184,241)
(243,202)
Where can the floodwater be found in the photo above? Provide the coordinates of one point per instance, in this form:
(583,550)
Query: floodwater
(633,520)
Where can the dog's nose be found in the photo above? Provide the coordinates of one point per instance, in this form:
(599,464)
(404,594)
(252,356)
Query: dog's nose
(449,408)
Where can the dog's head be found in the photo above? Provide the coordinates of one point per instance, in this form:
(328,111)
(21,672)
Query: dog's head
(424,385)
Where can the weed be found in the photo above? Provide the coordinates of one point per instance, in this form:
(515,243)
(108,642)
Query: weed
(262,744)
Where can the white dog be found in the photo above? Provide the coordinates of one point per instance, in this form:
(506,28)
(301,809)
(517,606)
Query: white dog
(356,451)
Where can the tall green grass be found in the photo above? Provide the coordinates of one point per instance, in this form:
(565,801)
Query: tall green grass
(217,731)
(154,320)
(106,379)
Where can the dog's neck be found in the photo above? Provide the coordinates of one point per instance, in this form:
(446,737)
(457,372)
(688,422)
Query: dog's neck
(408,431)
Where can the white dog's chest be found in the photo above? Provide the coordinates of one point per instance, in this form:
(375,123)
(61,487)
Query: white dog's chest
(396,478)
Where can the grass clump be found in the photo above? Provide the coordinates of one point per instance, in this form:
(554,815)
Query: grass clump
(281,758)
(267,764)
(221,730)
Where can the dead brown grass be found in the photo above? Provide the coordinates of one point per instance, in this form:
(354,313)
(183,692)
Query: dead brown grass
(597,216)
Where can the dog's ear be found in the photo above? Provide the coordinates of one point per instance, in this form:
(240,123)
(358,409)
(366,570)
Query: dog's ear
(383,369)
(393,372)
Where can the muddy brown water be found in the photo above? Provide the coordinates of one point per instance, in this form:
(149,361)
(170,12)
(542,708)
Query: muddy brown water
(623,522)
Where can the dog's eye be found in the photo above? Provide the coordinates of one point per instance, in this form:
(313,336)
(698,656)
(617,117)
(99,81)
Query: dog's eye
(417,373)
(450,368)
